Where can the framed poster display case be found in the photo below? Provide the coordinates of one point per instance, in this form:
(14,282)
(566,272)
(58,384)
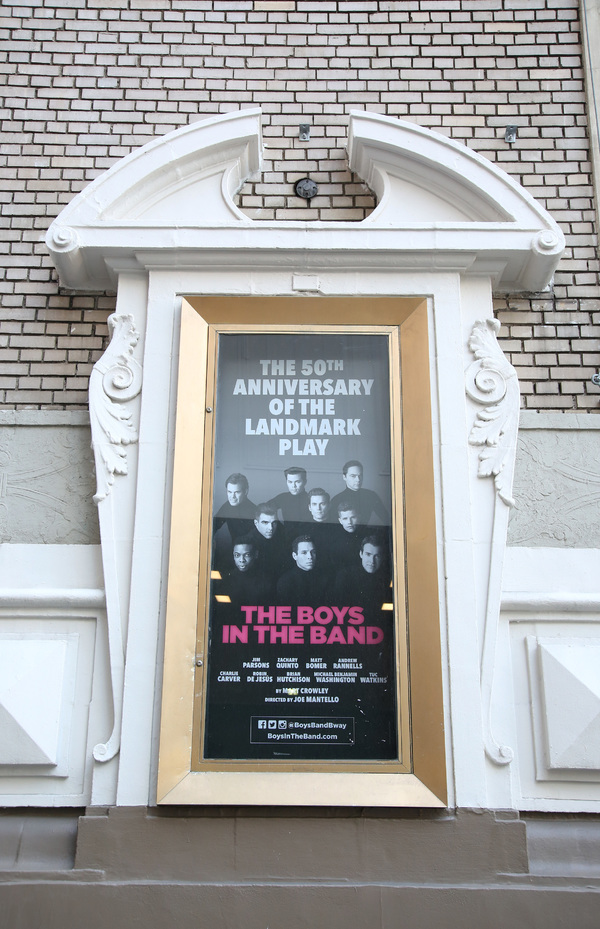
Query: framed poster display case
(302,649)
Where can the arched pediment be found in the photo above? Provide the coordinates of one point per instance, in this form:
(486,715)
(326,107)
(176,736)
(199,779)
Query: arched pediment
(420,176)
(191,174)
(440,205)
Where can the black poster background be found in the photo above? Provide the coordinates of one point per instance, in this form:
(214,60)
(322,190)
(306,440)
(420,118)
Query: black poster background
(301,664)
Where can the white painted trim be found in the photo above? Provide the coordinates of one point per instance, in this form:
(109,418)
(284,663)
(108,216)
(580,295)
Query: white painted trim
(53,598)
(143,213)
(139,739)
(556,574)
(540,601)
(455,260)
(44,418)
(582,421)
(382,147)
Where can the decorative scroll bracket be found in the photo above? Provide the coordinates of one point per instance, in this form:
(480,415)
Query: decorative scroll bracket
(492,381)
(115,379)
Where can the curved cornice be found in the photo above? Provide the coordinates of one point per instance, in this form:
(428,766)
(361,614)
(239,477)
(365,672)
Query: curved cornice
(214,155)
(170,204)
(407,166)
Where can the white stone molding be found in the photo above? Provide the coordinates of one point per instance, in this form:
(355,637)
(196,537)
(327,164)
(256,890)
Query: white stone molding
(54,677)
(551,625)
(161,224)
(33,670)
(492,381)
(184,181)
(105,751)
(116,379)
(568,670)
(538,601)
(170,204)
(423,178)
(51,598)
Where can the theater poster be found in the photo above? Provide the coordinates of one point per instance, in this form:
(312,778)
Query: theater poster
(301,657)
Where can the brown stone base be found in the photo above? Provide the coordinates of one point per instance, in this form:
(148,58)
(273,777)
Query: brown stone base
(244,869)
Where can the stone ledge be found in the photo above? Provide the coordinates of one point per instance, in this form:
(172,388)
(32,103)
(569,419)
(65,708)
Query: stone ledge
(44,418)
(529,419)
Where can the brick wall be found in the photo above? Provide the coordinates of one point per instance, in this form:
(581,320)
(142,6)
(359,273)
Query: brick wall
(88,81)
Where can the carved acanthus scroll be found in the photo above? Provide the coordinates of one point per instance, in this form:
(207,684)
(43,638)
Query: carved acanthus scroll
(492,381)
(115,379)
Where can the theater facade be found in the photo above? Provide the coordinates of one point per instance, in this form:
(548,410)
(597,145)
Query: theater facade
(318,664)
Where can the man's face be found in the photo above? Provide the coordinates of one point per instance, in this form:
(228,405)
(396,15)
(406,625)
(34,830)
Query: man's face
(319,508)
(295,483)
(370,556)
(244,557)
(354,478)
(306,556)
(266,525)
(235,494)
(348,519)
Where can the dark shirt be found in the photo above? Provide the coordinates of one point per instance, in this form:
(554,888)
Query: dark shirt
(366,502)
(294,508)
(274,555)
(239,519)
(245,588)
(294,512)
(354,586)
(345,546)
(322,535)
(302,588)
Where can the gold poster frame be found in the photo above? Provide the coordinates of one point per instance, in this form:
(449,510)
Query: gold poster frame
(418,777)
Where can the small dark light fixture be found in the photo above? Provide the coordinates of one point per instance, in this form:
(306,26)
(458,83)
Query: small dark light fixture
(596,379)
(304,134)
(306,188)
(510,135)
